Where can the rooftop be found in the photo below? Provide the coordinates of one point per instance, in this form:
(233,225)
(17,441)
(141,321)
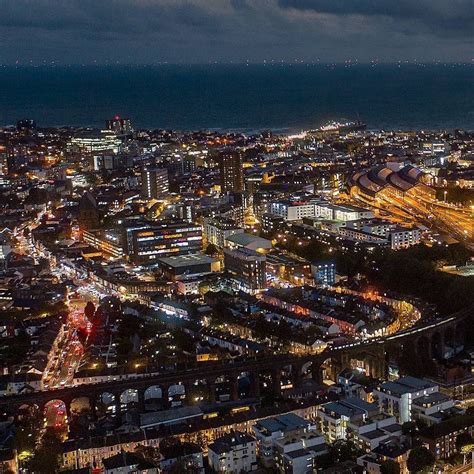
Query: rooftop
(228,441)
(283,423)
(407,385)
(392,447)
(449,426)
(126,459)
(350,407)
(245,239)
(187,260)
(431,399)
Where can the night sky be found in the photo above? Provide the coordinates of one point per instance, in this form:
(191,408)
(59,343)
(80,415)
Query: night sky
(200,31)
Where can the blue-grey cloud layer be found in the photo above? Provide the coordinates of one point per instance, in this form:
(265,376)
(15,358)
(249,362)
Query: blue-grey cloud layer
(148,31)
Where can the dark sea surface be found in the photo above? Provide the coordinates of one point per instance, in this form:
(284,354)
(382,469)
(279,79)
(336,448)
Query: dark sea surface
(241,97)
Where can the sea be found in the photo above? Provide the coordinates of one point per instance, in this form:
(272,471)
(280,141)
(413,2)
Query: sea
(245,98)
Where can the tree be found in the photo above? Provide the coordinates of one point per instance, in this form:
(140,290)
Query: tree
(463,440)
(46,458)
(148,452)
(182,465)
(184,341)
(211,249)
(420,459)
(89,310)
(343,450)
(204,287)
(409,428)
(262,327)
(283,330)
(464,444)
(390,467)
(28,427)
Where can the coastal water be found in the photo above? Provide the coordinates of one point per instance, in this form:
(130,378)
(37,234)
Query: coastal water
(279,97)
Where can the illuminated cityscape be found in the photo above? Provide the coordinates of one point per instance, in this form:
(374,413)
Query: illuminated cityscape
(236,236)
(186,298)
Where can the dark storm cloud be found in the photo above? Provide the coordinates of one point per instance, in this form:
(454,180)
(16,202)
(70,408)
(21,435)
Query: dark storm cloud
(452,17)
(124,16)
(144,31)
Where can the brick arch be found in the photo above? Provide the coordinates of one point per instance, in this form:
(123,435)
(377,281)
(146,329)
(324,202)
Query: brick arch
(437,345)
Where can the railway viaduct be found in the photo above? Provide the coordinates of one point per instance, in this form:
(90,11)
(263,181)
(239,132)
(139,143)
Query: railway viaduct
(271,373)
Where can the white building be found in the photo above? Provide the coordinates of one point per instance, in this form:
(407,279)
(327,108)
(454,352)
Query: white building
(298,454)
(369,434)
(344,213)
(430,408)
(323,210)
(396,398)
(402,238)
(216,231)
(233,453)
(188,287)
(334,417)
(292,211)
(269,430)
(379,231)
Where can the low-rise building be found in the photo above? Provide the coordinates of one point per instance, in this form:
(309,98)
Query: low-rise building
(334,417)
(233,453)
(297,453)
(128,463)
(188,287)
(248,241)
(217,230)
(185,457)
(324,273)
(381,232)
(396,397)
(441,437)
(344,213)
(292,210)
(396,448)
(269,430)
(182,267)
(369,434)
(402,237)
(432,408)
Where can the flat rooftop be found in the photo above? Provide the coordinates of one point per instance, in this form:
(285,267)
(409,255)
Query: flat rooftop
(283,423)
(374,434)
(169,416)
(431,399)
(406,385)
(245,239)
(350,407)
(187,260)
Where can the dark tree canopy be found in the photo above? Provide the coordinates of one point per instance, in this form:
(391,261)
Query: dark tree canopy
(390,467)
(420,459)
(89,310)
(462,440)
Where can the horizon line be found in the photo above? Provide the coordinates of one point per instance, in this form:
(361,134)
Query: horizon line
(347,63)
